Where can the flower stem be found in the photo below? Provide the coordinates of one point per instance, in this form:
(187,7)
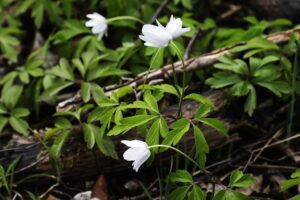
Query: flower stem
(177,150)
(180,56)
(126,18)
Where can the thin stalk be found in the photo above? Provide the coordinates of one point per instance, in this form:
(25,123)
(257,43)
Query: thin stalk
(178,151)
(180,56)
(124,18)
(293,95)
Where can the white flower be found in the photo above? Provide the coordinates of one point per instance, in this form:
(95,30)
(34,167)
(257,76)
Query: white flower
(138,153)
(155,36)
(160,36)
(98,24)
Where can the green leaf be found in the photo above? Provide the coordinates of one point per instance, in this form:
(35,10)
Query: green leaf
(250,103)
(230,195)
(97,92)
(176,49)
(3,178)
(240,89)
(221,195)
(89,132)
(289,183)
(55,149)
(64,70)
(151,102)
(101,72)
(54,89)
(3,110)
(187,4)
(157,58)
(11,94)
(63,123)
(296,174)
(20,112)
(199,98)
(297,197)
(197,194)
(202,111)
(202,147)
(236,65)
(85,91)
(3,122)
(222,79)
(152,137)
(19,125)
(239,179)
(179,193)
(259,44)
(180,127)
(129,123)
(163,127)
(166,88)
(277,87)
(216,124)
(104,143)
(181,176)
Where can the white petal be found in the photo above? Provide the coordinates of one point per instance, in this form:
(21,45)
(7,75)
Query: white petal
(96,16)
(130,154)
(141,159)
(135,143)
(91,23)
(156,35)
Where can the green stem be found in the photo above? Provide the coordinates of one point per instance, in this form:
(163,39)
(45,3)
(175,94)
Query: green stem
(177,150)
(293,97)
(180,56)
(126,18)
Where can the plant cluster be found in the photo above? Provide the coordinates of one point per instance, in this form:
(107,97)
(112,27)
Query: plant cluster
(89,54)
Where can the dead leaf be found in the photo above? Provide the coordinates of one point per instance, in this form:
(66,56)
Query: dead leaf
(100,189)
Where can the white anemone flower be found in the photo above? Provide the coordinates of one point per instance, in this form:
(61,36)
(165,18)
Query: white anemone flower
(160,36)
(98,24)
(174,27)
(138,153)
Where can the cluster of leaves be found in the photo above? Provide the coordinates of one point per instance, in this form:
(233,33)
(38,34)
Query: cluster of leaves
(191,191)
(86,64)
(243,78)
(294,181)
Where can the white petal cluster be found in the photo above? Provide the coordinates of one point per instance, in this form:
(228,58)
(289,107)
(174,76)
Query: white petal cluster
(160,36)
(138,153)
(98,24)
